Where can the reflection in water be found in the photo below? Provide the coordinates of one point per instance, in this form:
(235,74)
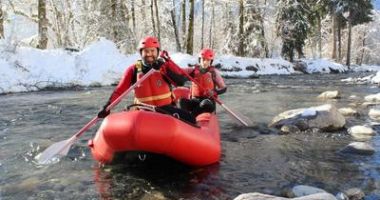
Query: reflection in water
(156,177)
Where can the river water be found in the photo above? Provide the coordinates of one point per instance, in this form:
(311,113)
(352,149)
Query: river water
(254,159)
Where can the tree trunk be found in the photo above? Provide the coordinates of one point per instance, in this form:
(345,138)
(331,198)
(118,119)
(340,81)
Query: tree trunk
(300,52)
(56,24)
(1,20)
(319,36)
(339,42)
(74,38)
(263,41)
(190,33)
(68,41)
(203,24)
(152,17)
(158,21)
(360,60)
(241,28)
(114,20)
(177,40)
(133,16)
(42,25)
(334,23)
(348,61)
(144,16)
(212,24)
(183,24)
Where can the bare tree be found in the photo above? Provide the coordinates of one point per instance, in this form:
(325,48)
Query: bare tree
(363,43)
(319,28)
(262,39)
(158,20)
(334,23)
(203,24)
(114,20)
(231,44)
(183,24)
(61,22)
(1,20)
(212,24)
(190,32)
(143,13)
(42,25)
(152,17)
(133,16)
(348,58)
(241,28)
(174,24)
(339,39)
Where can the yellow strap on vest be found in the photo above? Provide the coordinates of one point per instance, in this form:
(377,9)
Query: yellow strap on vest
(154,98)
(138,66)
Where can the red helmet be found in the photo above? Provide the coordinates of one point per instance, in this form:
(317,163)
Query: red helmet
(207,53)
(148,42)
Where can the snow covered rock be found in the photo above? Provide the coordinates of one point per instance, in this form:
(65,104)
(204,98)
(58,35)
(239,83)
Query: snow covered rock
(325,117)
(330,95)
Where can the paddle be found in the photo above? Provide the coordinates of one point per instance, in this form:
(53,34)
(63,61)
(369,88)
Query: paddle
(230,111)
(60,149)
(165,54)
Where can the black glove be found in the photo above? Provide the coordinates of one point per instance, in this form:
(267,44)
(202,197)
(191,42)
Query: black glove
(207,105)
(165,55)
(158,63)
(104,113)
(220,91)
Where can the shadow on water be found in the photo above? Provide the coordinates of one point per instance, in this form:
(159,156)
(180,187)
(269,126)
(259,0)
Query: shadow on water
(238,133)
(155,177)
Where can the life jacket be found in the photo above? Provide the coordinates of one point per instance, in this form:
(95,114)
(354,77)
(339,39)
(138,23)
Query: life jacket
(154,90)
(205,81)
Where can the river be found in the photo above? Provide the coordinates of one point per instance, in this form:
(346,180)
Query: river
(254,159)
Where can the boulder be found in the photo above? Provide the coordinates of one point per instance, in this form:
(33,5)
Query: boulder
(330,95)
(361,130)
(348,112)
(361,148)
(304,190)
(372,98)
(259,196)
(354,194)
(374,113)
(325,117)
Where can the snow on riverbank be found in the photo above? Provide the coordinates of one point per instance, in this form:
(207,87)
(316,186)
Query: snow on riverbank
(30,69)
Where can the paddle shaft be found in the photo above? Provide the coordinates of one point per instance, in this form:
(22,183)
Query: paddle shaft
(113,104)
(215,98)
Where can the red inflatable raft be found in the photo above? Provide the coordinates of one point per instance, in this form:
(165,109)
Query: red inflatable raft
(152,132)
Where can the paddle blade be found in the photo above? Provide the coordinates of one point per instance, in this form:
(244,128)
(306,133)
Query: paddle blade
(54,152)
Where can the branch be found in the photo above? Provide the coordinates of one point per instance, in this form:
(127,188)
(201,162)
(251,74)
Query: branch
(22,13)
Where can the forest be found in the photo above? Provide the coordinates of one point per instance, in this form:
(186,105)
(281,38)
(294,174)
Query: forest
(345,31)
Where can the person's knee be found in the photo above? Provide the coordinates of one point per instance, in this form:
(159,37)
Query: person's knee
(183,104)
(207,105)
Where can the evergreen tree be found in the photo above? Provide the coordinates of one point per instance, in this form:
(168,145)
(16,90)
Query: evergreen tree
(293,27)
(254,43)
(356,12)
(317,11)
